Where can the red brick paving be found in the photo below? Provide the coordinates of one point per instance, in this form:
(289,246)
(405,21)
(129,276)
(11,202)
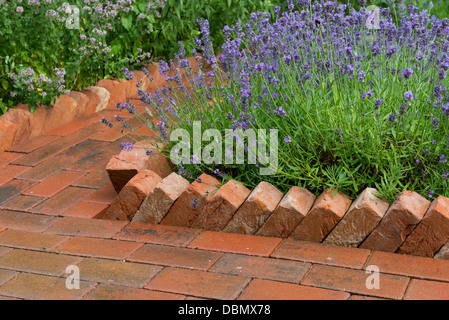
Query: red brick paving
(52,186)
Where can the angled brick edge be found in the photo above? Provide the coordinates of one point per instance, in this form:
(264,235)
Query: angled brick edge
(412,223)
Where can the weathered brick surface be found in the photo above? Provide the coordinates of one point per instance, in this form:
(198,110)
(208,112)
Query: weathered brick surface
(8,132)
(25,221)
(399,221)
(327,211)
(361,219)
(221,206)
(293,207)
(103,95)
(130,198)
(443,253)
(30,240)
(21,119)
(427,290)
(159,201)
(256,209)
(12,188)
(431,233)
(182,213)
(86,227)
(114,292)
(22,202)
(54,184)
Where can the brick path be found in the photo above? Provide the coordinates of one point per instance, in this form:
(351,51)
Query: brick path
(51,188)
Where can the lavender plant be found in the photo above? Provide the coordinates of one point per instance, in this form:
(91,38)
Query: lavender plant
(355,106)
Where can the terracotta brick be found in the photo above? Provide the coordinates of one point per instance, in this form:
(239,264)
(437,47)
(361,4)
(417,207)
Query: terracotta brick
(94,179)
(103,95)
(182,213)
(123,167)
(118,91)
(54,184)
(272,290)
(327,211)
(158,234)
(411,266)
(427,290)
(159,201)
(431,233)
(39,287)
(9,172)
(131,196)
(86,227)
(293,207)
(64,110)
(32,144)
(359,297)
(59,202)
(144,84)
(12,188)
(21,120)
(198,283)
(443,253)
(22,202)
(117,272)
(4,250)
(99,248)
(8,132)
(255,211)
(82,149)
(221,206)
(399,221)
(175,257)
(355,281)
(30,240)
(67,128)
(93,100)
(361,219)
(111,292)
(105,194)
(7,157)
(6,275)
(25,221)
(263,268)
(37,262)
(91,161)
(108,135)
(81,100)
(89,210)
(45,169)
(320,253)
(38,119)
(235,243)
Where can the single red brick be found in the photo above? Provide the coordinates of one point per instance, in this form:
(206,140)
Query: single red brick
(82,100)
(64,110)
(7,157)
(117,272)
(39,287)
(91,161)
(272,290)
(111,292)
(105,194)
(182,212)
(427,290)
(30,240)
(260,267)
(158,234)
(399,221)
(412,266)
(12,188)
(54,184)
(46,168)
(22,202)
(293,207)
(235,243)
(320,253)
(131,196)
(159,201)
(109,135)
(25,221)
(198,283)
(88,210)
(10,172)
(221,206)
(175,257)
(355,281)
(67,128)
(431,233)
(8,132)
(37,262)
(59,202)
(117,89)
(256,209)
(94,179)
(327,211)
(82,149)
(361,219)
(103,95)
(32,144)
(100,248)
(21,119)
(86,227)
(443,253)
(92,103)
